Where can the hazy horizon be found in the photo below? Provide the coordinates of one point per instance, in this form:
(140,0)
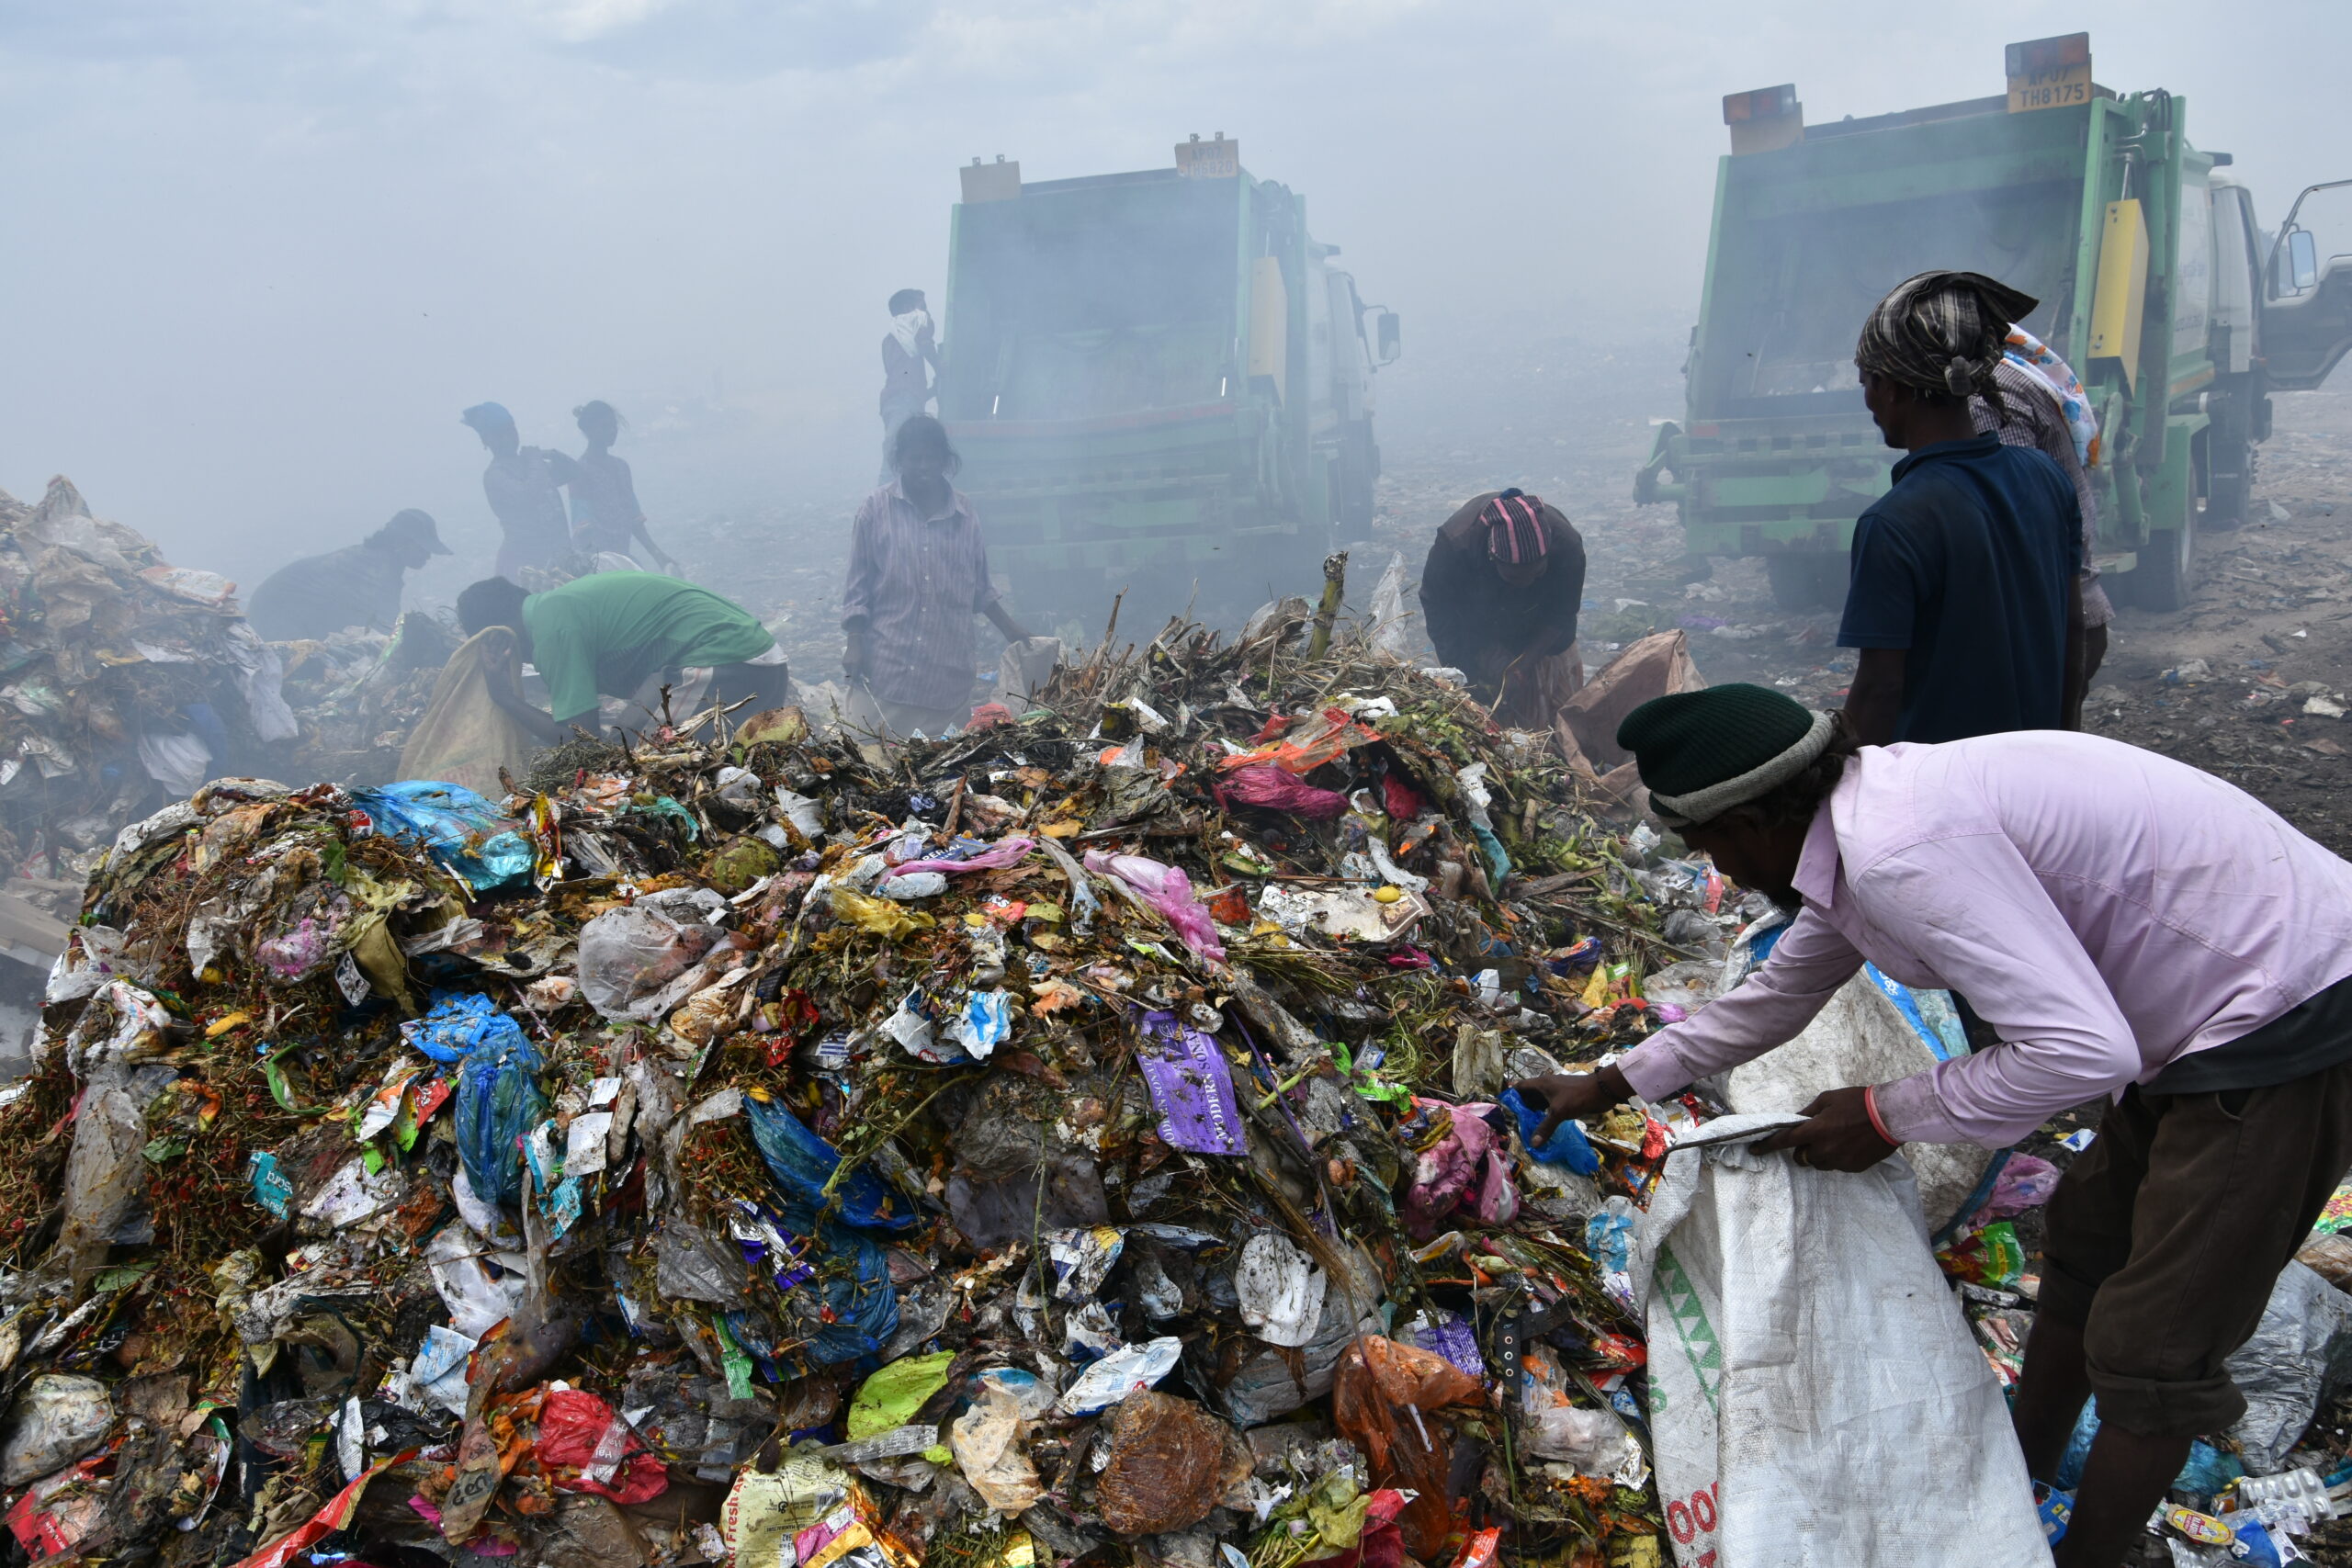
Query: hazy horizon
(264,249)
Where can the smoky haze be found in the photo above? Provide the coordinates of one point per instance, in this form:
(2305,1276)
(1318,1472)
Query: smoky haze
(261,252)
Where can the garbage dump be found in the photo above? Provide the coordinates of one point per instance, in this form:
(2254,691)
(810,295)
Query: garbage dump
(1087,1136)
(128,682)
(359,693)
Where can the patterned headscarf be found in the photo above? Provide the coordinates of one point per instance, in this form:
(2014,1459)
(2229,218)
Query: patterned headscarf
(1942,333)
(1514,528)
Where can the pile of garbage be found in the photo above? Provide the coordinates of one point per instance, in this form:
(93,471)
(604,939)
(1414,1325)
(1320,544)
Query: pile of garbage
(1084,1135)
(359,693)
(127,680)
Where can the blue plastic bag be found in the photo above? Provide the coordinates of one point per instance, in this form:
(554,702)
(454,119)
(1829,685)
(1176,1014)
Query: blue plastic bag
(802,1163)
(1569,1145)
(459,1024)
(463,831)
(498,1100)
(855,1280)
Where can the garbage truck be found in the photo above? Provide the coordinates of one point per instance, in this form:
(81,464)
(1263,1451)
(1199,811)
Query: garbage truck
(1159,383)
(2179,311)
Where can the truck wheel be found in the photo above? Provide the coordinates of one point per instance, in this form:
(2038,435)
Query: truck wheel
(2167,574)
(1807,580)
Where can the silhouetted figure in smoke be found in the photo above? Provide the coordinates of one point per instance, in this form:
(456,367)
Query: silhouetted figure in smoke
(523,484)
(358,586)
(1499,597)
(918,573)
(604,512)
(909,354)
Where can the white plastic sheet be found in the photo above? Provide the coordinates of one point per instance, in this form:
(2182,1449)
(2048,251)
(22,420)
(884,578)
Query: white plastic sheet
(1816,1396)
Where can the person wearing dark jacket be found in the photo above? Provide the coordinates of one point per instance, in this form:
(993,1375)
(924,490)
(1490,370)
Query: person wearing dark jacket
(1963,596)
(1499,597)
(358,586)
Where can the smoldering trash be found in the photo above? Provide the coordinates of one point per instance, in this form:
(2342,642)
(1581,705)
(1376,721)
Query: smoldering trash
(1085,1137)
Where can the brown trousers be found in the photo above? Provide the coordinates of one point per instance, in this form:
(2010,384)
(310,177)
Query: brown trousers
(2166,1235)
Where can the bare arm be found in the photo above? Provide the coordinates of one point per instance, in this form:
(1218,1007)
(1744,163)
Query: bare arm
(1875,701)
(504,677)
(1002,620)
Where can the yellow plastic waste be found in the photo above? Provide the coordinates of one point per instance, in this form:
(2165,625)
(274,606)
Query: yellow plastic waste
(884,916)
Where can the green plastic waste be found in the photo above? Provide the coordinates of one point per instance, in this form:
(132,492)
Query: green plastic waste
(889,1399)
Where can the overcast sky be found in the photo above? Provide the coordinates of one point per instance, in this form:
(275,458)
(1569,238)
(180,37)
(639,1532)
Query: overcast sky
(259,253)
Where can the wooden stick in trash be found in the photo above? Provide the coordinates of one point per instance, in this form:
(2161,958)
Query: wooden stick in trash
(1335,587)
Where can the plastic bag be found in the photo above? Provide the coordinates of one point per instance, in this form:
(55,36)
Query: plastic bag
(103,1174)
(2301,1352)
(1468,1167)
(1568,1147)
(1317,740)
(498,1100)
(859,1304)
(883,917)
(1272,788)
(458,1023)
(1281,1291)
(1122,1373)
(1377,1396)
(629,956)
(987,1440)
(587,1447)
(890,1397)
(1387,611)
(1878,1433)
(802,1163)
(1003,853)
(478,1300)
(57,1419)
(1168,890)
(464,832)
(1165,1465)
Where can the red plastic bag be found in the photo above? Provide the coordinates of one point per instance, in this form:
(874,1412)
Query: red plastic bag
(1377,1395)
(1272,788)
(586,1447)
(1321,739)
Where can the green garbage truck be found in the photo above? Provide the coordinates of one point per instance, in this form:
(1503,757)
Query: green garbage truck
(1159,383)
(2179,311)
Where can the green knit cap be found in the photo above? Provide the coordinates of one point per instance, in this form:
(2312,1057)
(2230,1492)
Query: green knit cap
(1692,743)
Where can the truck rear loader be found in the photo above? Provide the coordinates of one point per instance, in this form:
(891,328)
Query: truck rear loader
(1158,383)
(2179,311)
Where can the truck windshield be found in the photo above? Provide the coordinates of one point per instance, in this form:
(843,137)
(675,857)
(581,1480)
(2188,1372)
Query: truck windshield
(1791,292)
(1085,303)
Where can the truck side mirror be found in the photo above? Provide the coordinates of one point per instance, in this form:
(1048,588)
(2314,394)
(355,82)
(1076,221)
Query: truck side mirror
(1389,333)
(2303,259)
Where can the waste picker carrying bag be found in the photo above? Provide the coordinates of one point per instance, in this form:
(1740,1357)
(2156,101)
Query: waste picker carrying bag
(1815,1395)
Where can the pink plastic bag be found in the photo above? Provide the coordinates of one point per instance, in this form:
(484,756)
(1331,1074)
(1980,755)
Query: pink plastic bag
(996,857)
(1167,889)
(1469,1168)
(2024,1183)
(1272,788)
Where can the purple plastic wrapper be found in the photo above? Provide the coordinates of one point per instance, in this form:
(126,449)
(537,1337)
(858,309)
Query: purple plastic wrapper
(1452,1337)
(1192,1088)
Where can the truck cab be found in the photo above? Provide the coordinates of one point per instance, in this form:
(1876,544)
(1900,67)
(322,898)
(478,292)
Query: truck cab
(2155,283)
(1159,382)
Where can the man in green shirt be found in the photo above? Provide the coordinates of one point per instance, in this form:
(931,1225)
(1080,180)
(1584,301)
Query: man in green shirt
(608,635)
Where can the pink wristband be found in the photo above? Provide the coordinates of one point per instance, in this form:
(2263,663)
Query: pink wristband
(1870,1107)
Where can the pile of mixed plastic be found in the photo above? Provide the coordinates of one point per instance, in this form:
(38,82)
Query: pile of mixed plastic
(124,680)
(1083,1137)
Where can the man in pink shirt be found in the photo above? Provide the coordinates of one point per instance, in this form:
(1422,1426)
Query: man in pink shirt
(2129,927)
